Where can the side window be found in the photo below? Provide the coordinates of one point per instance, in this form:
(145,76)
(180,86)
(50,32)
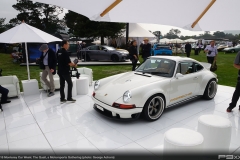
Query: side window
(185,68)
(94,48)
(197,67)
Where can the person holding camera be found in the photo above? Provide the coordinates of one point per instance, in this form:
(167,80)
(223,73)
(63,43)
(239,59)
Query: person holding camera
(64,63)
(212,52)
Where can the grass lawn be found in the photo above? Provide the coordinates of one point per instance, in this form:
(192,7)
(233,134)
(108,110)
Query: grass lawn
(227,74)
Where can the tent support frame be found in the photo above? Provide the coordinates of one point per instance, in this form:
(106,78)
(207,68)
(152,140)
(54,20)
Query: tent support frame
(108,9)
(203,13)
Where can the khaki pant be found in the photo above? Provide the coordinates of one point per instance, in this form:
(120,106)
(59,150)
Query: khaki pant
(50,84)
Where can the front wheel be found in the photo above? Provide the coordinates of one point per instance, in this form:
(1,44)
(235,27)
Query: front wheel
(210,90)
(114,58)
(154,108)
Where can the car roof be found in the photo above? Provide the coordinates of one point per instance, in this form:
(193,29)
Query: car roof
(175,58)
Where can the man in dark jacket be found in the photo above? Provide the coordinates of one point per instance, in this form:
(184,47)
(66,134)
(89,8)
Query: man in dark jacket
(133,53)
(188,48)
(4,92)
(64,63)
(146,49)
(49,60)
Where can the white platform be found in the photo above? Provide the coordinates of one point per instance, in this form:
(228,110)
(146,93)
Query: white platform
(30,87)
(40,124)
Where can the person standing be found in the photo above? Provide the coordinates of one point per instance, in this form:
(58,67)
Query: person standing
(133,53)
(188,48)
(212,52)
(64,64)
(79,48)
(4,92)
(49,60)
(199,47)
(146,49)
(236,93)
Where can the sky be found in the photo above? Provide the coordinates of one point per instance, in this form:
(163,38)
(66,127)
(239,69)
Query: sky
(8,12)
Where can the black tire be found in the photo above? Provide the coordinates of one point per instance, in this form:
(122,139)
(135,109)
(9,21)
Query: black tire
(114,58)
(210,90)
(154,107)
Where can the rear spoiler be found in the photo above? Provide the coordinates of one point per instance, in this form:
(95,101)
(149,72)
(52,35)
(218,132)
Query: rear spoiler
(206,65)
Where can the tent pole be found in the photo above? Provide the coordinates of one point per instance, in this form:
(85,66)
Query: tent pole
(26,51)
(127,33)
(110,7)
(203,13)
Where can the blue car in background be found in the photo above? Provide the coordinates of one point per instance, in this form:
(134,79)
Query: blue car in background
(160,49)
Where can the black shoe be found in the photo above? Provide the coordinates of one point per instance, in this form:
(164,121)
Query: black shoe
(71,100)
(1,108)
(63,100)
(5,102)
(229,109)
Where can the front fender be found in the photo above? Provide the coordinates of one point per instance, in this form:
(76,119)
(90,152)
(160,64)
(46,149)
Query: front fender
(141,94)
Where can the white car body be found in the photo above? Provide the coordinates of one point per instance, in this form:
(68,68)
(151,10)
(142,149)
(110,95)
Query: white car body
(173,89)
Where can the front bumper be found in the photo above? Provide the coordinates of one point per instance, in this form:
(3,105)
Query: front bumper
(115,113)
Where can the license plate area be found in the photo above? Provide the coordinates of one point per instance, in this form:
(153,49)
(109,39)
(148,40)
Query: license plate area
(100,108)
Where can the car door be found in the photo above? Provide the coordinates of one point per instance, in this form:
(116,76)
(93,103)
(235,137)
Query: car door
(183,87)
(104,53)
(93,52)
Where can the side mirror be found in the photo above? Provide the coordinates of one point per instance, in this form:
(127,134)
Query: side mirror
(178,75)
(105,50)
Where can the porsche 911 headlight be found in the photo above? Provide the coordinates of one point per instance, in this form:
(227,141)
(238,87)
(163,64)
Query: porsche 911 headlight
(127,97)
(96,85)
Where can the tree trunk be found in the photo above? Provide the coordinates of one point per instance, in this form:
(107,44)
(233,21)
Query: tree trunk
(102,40)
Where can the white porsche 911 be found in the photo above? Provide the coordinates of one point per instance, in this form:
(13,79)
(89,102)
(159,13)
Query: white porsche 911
(160,82)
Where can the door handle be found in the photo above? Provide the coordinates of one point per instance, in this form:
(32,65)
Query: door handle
(195,78)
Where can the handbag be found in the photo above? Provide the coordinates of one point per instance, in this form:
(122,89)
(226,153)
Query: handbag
(41,65)
(213,66)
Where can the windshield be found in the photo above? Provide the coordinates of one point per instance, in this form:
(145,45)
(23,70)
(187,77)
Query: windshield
(158,66)
(109,48)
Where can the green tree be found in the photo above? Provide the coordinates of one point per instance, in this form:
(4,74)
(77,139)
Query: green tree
(39,15)
(2,25)
(219,34)
(173,33)
(81,26)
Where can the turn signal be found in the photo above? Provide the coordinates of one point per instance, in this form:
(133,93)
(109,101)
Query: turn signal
(123,106)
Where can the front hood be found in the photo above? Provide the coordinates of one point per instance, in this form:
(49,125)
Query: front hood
(113,90)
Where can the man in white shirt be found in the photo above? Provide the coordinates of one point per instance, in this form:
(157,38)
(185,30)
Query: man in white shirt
(212,52)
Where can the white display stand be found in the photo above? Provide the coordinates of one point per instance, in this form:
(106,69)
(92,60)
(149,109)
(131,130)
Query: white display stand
(216,131)
(30,87)
(74,90)
(82,85)
(182,140)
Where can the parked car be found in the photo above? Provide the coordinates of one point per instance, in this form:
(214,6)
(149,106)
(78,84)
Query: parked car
(232,49)
(161,49)
(159,83)
(221,47)
(103,52)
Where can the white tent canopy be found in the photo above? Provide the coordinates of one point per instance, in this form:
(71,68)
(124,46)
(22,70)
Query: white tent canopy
(135,30)
(26,33)
(179,16)
(190,40)
(176,40)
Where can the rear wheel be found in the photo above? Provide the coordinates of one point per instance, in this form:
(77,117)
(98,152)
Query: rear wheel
(114,58)
(210,90)
(154,108)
